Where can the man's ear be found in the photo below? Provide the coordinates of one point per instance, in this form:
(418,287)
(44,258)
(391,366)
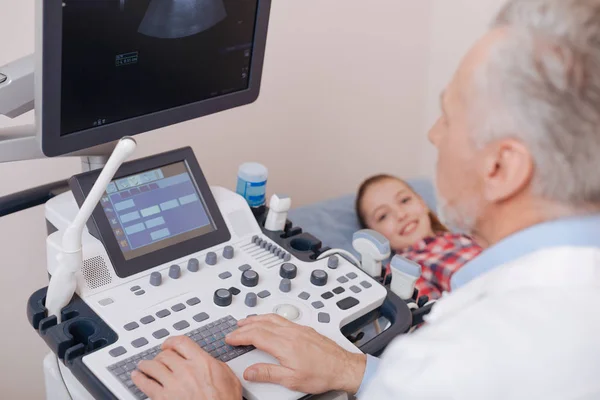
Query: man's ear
(507,169)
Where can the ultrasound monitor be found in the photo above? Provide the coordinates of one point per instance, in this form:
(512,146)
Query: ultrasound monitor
(155,210)
(110,68)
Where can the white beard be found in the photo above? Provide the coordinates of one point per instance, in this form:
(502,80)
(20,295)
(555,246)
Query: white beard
(459,216)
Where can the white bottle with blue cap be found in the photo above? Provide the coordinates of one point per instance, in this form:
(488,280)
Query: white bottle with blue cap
(252,183)
(404,276)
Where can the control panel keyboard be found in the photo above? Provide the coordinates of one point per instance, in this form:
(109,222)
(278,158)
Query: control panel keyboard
(210,337)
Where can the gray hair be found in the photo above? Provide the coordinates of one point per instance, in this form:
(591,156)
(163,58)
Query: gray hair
(541,86)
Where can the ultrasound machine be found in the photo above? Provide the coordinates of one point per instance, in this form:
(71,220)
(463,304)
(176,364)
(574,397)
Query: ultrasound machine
(139,251)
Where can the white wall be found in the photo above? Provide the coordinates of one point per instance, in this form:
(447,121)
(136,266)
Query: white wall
(348,90)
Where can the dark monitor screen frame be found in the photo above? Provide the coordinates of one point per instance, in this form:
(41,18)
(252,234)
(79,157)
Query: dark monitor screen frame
(48,93)
(100,227)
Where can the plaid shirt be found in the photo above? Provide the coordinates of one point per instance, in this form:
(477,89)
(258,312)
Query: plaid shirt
(440,257)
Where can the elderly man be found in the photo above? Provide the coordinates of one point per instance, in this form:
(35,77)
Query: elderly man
(519,143)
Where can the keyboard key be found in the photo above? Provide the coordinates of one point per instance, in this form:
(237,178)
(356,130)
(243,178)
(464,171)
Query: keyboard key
(352,275)
(193,301)
(264,294)
(147,319)
(347,303)
(365,284)
(178,307)
(163,313)
(338,290)
(355,289)
(225,275)
(318,304)
(324,318)
(131,326)
(117,351)
(135,288)
(327,295)
(201,317)
(304,295)
(160,334)
(245,267)
(342,279)
(181,325)
(139,342)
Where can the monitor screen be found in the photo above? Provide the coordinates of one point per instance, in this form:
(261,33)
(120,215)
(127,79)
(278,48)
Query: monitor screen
(123,59)
(155,209)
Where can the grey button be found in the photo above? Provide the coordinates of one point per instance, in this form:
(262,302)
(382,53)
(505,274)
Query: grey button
(245,267)
(250,299)
(355,289)
(269,247)
(174,271)
(201,317)
(317,304)
(181,325)
(117,351)
(259,241)
(285,285)
(193,265)
(264,245)
(342,279)
(140,292)
(333,262)
(155,279)
(365,284)
(304,296)
(163,313)
(324,318)
(131,326)
(178,307)
(255,239)
(352,275)
(139,342)
(274,250)
(135,288)
(250,278)
(161,333)
(287,257)
(147,319)
(211,258)
(193,301)
(106,302)
(225,275)
(228,252)
(264,293)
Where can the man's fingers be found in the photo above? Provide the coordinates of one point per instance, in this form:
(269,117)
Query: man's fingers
(172,360)
(266,318)
(145,384)
(155,370)
(262,337)
(268,373)
(184,346)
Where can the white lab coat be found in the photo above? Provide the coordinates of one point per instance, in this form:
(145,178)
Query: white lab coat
(529,329)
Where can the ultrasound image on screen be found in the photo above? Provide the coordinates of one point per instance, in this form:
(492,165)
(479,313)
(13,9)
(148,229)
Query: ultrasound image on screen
(123,59)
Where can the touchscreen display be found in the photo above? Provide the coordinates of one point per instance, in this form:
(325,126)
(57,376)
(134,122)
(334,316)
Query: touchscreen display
(155,209)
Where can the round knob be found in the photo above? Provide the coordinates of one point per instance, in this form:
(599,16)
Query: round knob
(155,279)
(318,277)
(193,265)
(228,252)
(175,271)
(222,297)
(287,311)
(333,262)
(288,270)
(250,278)
(286,285)
(251,299)
(211,258)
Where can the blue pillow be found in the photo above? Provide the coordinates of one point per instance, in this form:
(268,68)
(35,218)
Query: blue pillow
(334,221)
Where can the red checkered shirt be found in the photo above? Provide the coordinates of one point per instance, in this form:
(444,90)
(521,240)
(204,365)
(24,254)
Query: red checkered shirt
(440,257)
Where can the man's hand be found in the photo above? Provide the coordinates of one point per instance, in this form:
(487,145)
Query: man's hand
(184,371)
(310,362)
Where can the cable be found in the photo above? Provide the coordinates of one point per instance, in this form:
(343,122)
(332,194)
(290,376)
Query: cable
(346,254)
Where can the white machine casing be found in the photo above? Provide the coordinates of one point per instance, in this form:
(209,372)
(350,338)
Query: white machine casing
(98,284)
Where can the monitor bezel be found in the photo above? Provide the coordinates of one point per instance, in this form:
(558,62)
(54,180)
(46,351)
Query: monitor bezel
(100,227)
(48,93)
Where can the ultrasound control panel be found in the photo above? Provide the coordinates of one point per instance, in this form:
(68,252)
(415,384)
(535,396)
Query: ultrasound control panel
(209,267)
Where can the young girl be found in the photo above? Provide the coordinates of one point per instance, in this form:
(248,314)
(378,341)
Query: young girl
(389,206)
